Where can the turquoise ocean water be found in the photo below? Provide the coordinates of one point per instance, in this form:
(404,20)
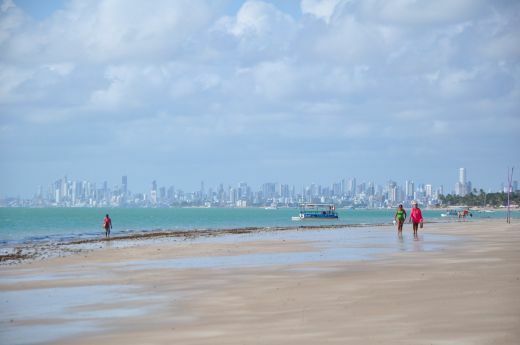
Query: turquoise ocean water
(59,224)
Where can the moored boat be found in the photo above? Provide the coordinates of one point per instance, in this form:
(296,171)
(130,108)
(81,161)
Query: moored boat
(317,212)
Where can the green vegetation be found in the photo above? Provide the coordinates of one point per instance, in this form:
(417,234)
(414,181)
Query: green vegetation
(480,198)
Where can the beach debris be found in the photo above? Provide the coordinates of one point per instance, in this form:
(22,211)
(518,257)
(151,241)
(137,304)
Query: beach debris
(17,255)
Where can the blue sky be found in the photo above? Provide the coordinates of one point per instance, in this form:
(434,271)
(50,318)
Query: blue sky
(226,91)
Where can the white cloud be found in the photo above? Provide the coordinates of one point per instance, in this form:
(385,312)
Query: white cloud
(257,18)
(62,69)
(115,29)
(11,19)
(6,5)
(260,31)
(323,9)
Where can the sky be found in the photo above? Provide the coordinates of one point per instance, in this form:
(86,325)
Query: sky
(224,91)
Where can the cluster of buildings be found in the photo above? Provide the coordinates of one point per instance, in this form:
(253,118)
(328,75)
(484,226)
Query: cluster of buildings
(345,193)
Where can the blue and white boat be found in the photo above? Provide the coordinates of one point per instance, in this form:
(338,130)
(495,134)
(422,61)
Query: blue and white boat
(317,212)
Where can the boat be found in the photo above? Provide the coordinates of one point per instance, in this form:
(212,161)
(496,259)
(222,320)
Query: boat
(450,213)
(317,212)
(273,206)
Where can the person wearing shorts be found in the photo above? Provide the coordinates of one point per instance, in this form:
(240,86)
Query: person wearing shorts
(400,217)
(107,224)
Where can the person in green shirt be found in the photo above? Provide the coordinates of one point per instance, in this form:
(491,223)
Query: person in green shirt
(400,217)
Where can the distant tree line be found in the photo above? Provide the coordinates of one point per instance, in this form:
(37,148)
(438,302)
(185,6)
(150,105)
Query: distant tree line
(480,198)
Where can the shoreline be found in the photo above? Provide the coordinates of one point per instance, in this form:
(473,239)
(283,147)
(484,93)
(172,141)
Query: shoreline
(40,250)
(28,251)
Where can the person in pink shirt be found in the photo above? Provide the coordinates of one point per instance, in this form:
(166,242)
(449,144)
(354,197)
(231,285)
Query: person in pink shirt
(107,224)
(416,217)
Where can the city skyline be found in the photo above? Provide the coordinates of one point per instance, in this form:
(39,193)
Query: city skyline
(74,192)
(458,186)
(230,90)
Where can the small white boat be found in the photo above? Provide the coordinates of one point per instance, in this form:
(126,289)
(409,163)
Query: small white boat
(273,206)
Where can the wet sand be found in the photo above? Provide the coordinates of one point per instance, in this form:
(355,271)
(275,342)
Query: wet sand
(457,284)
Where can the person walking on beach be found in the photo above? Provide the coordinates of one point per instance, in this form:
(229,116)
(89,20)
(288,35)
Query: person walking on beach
(416,217)
(107,224)
(400,217)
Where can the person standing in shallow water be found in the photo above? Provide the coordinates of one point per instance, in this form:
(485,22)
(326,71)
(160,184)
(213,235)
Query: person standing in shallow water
(400,217)
(107,224)
(416,217)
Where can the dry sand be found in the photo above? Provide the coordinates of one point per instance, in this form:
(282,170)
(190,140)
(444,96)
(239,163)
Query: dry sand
(465,292)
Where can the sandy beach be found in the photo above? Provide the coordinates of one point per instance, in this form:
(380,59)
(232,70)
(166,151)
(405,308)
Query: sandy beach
(457,284)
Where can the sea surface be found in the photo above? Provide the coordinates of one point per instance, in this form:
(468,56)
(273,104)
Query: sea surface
(27,225)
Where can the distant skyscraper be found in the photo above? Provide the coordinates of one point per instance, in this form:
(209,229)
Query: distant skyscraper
(409,187)
(336,189)
(371,190)
(105,190)
(124,183)
(428,190)
(462,176)
(461,188)
(162,193)
(392,191)
(352,186)
(269,190)
(170,194)
(243,190)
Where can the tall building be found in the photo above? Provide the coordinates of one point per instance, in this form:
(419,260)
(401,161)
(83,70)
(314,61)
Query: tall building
(370,190)
(162,193)
(352,186)
(428,190)
(392,191)
(461,187)
(105,191)
(409,188)
(124,184)
(284,191)
(153,196)
(269,190)
(170,194)
(243,190)
(153,193)
(336,189)
(462,176)
(361,188)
